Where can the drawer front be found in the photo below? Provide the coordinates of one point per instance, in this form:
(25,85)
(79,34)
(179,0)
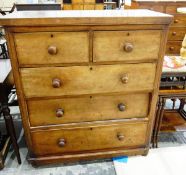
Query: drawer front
(90,108)
(125,45)
(76,80)
(179,20)
(77,6)
(173,9)
(176,33)
(52,47)
(90,137)
(157,8)
(173,47)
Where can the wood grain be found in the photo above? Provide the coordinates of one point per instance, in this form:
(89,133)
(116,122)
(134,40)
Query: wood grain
(172,9)
(32,48)
(89,138)
(88,108)
(179,20)
(89,155)
(85,17)
(37,82)
(176,33)
(109,46)
(177,30)
(173,47)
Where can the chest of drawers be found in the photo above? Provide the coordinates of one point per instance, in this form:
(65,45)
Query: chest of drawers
(178,27)
(87,81)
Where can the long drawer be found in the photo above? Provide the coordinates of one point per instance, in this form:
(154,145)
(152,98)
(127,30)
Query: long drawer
(89,137)
(76,80)
(90,108)
(52,47)
(126,45)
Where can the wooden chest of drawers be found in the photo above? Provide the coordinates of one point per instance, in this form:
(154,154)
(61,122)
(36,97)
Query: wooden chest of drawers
(178,27)
(87,81)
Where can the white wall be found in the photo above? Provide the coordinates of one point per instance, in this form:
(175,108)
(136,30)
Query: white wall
(9,3)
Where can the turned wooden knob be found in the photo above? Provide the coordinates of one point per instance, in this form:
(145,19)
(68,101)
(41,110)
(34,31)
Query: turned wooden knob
(61,142)
(174,33)
(120,136)
(128,47)
(56,82)
(121,107)
(52,50)
(175,21)
(124,79)
(171,48)
(59,112)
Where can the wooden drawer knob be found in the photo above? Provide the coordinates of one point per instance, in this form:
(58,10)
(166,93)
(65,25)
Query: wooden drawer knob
(124,79)
(120,136)
(175,21)
(174,33)
(52,50)
(61,142)
(121,107)
(171,48)
(56,83)
(128,47)
(59,112)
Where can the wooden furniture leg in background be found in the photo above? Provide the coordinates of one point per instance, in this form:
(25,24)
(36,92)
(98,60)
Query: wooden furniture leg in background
(156,122)
(11,131)
(181,108)
(160,117)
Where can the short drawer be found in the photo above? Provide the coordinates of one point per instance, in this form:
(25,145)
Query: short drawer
(126,45)
(179,20)
(92,137)
(176,33)
(77,80)
(173,47)
(52,47)
(90,108)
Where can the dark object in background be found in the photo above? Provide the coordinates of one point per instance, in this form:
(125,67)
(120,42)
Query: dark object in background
(6,84)
(70,1)
(4,147)
(31,7)
(8,11)
(2,12)
(171,80)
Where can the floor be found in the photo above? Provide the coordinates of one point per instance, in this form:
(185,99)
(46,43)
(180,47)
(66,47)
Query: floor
(98,167)
(161,161)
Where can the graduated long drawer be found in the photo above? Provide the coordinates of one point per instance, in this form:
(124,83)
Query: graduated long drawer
(77,80)
(89,137)
(89,108)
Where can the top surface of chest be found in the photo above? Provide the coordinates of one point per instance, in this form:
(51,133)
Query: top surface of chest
(76,17)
